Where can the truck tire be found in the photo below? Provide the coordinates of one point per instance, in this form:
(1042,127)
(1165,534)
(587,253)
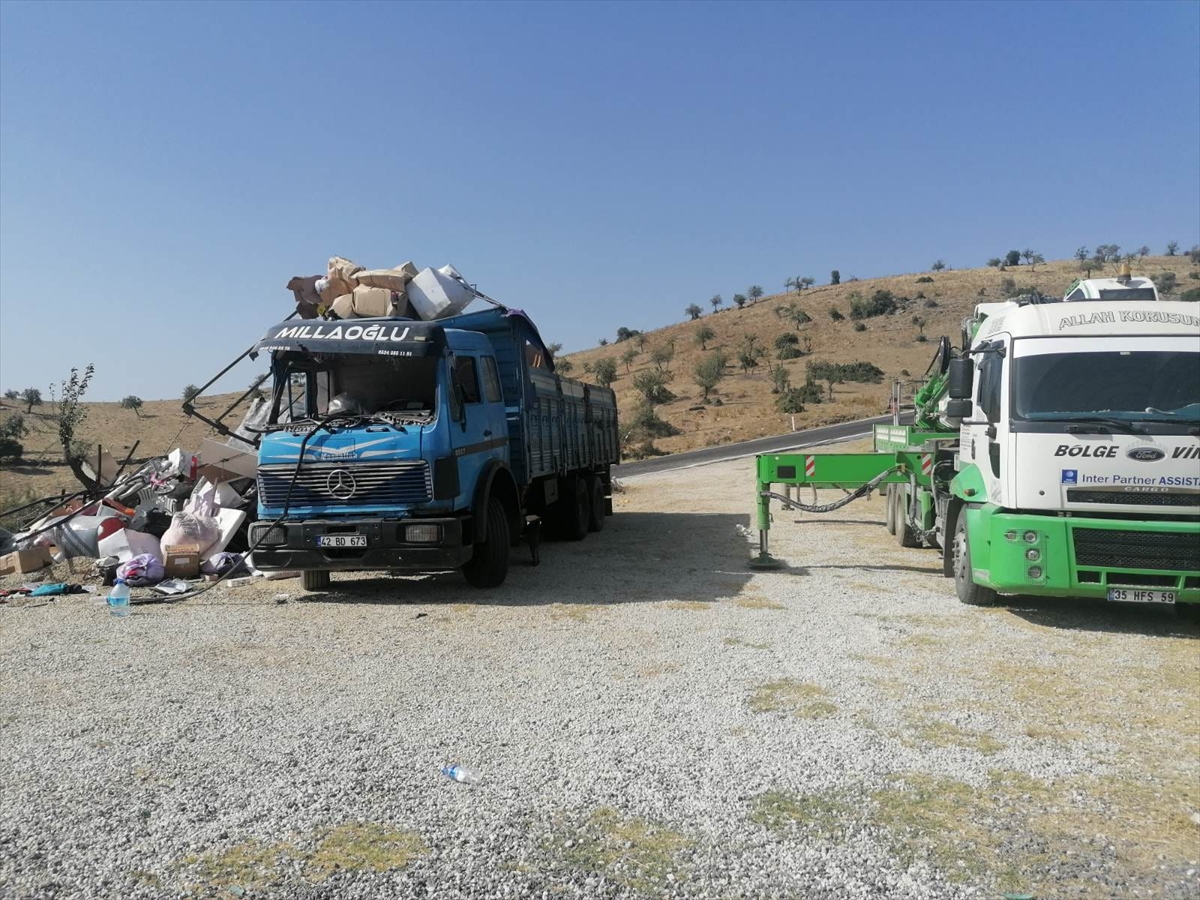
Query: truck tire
(905,536)
(596,505)
(576,510)
(891,509)
(488,565)
(964,584)
(315,579)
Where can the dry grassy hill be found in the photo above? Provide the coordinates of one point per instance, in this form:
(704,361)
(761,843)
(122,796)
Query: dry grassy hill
(747,407)
(161,428)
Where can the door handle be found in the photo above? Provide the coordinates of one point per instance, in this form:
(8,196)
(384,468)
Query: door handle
(488,433)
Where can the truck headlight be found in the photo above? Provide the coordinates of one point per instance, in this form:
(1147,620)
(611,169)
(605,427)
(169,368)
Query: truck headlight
(422,534)
(1033,555)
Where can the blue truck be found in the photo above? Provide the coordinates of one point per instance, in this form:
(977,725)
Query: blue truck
(403,445)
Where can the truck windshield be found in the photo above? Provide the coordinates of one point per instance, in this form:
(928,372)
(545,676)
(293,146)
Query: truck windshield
(1135,385)
(401,388)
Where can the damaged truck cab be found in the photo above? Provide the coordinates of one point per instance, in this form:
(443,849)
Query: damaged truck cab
(403,445)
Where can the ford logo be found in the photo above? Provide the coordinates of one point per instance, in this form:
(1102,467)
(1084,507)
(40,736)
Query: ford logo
(1145,454)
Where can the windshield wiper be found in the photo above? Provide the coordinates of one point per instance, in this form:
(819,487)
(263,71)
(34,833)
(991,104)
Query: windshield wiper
(1119,424)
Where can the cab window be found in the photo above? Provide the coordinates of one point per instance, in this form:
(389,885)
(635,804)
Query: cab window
(989,386)
(491,380)
(467,378)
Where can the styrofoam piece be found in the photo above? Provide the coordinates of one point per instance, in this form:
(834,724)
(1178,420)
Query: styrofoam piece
(126,543)
(436,293)
(229,521)
(222,462)
(228,498)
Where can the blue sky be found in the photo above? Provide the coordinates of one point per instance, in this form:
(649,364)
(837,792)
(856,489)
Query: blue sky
(164,169)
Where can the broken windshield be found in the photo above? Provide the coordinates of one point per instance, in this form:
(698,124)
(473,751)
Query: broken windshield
(398,389)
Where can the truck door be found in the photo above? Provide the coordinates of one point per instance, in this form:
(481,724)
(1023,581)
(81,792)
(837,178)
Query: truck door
(989,423)
(493,404)
(482,432)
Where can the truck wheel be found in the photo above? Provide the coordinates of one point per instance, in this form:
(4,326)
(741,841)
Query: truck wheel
(964,584)
(488,565)
(576,511)
(596,506)
(315,579)
(905,536)
(891,509)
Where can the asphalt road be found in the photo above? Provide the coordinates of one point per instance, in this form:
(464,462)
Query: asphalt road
(777,444)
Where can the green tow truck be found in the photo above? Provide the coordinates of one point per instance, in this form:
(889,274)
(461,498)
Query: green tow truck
(1055,453)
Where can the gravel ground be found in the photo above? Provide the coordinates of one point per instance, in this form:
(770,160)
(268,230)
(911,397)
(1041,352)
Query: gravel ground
(648,718)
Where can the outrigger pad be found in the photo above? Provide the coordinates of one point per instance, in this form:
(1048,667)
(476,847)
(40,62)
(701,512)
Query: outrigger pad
(765,562)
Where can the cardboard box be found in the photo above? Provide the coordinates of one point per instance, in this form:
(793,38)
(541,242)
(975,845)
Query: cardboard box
(21,561)
(182,561)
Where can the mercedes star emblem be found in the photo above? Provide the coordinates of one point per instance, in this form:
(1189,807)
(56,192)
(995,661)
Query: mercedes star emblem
(340,484)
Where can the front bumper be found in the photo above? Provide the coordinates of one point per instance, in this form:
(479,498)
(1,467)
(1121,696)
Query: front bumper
(386,546)
(1083,557)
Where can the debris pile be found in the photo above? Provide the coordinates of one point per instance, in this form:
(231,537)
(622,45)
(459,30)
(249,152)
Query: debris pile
(181,516)
(349,291)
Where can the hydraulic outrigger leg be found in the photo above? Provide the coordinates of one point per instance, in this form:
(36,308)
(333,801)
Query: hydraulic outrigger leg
(856,473)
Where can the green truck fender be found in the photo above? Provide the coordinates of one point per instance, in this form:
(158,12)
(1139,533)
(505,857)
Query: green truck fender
(968,485)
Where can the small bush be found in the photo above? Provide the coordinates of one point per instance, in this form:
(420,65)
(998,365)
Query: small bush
(1008,286)
(787,339)
(1195,276)
(882,302)
(11,450)
(835,314)
(604,370)
(652,385)
(790,401)
(1165,282)
(925,279)
(860,326)
(647,425)
(994,262)
(190,393)
(920,339)
(1191,295)
(789,353)
(930,303)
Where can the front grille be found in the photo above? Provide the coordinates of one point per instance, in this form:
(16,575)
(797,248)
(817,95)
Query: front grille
(324,484)
(1132,498)
(1113,549)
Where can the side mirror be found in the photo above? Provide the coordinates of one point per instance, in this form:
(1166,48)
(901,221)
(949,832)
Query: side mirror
(961,379)
(959,408)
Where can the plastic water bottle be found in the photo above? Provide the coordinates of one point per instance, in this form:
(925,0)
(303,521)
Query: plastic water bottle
(460,774)
(118,599)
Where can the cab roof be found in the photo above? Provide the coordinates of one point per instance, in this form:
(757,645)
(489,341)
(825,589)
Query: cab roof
(1092,317)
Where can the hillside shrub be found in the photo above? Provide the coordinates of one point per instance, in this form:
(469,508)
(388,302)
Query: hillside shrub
(930,303)
(1165,282)
(882,302)
(835,314)
(925,279)
(1191,295)
(860,326)
(652,385)
(1007,286)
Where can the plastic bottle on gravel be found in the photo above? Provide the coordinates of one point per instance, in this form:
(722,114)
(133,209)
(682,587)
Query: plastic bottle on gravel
(460,773)
(118,599)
